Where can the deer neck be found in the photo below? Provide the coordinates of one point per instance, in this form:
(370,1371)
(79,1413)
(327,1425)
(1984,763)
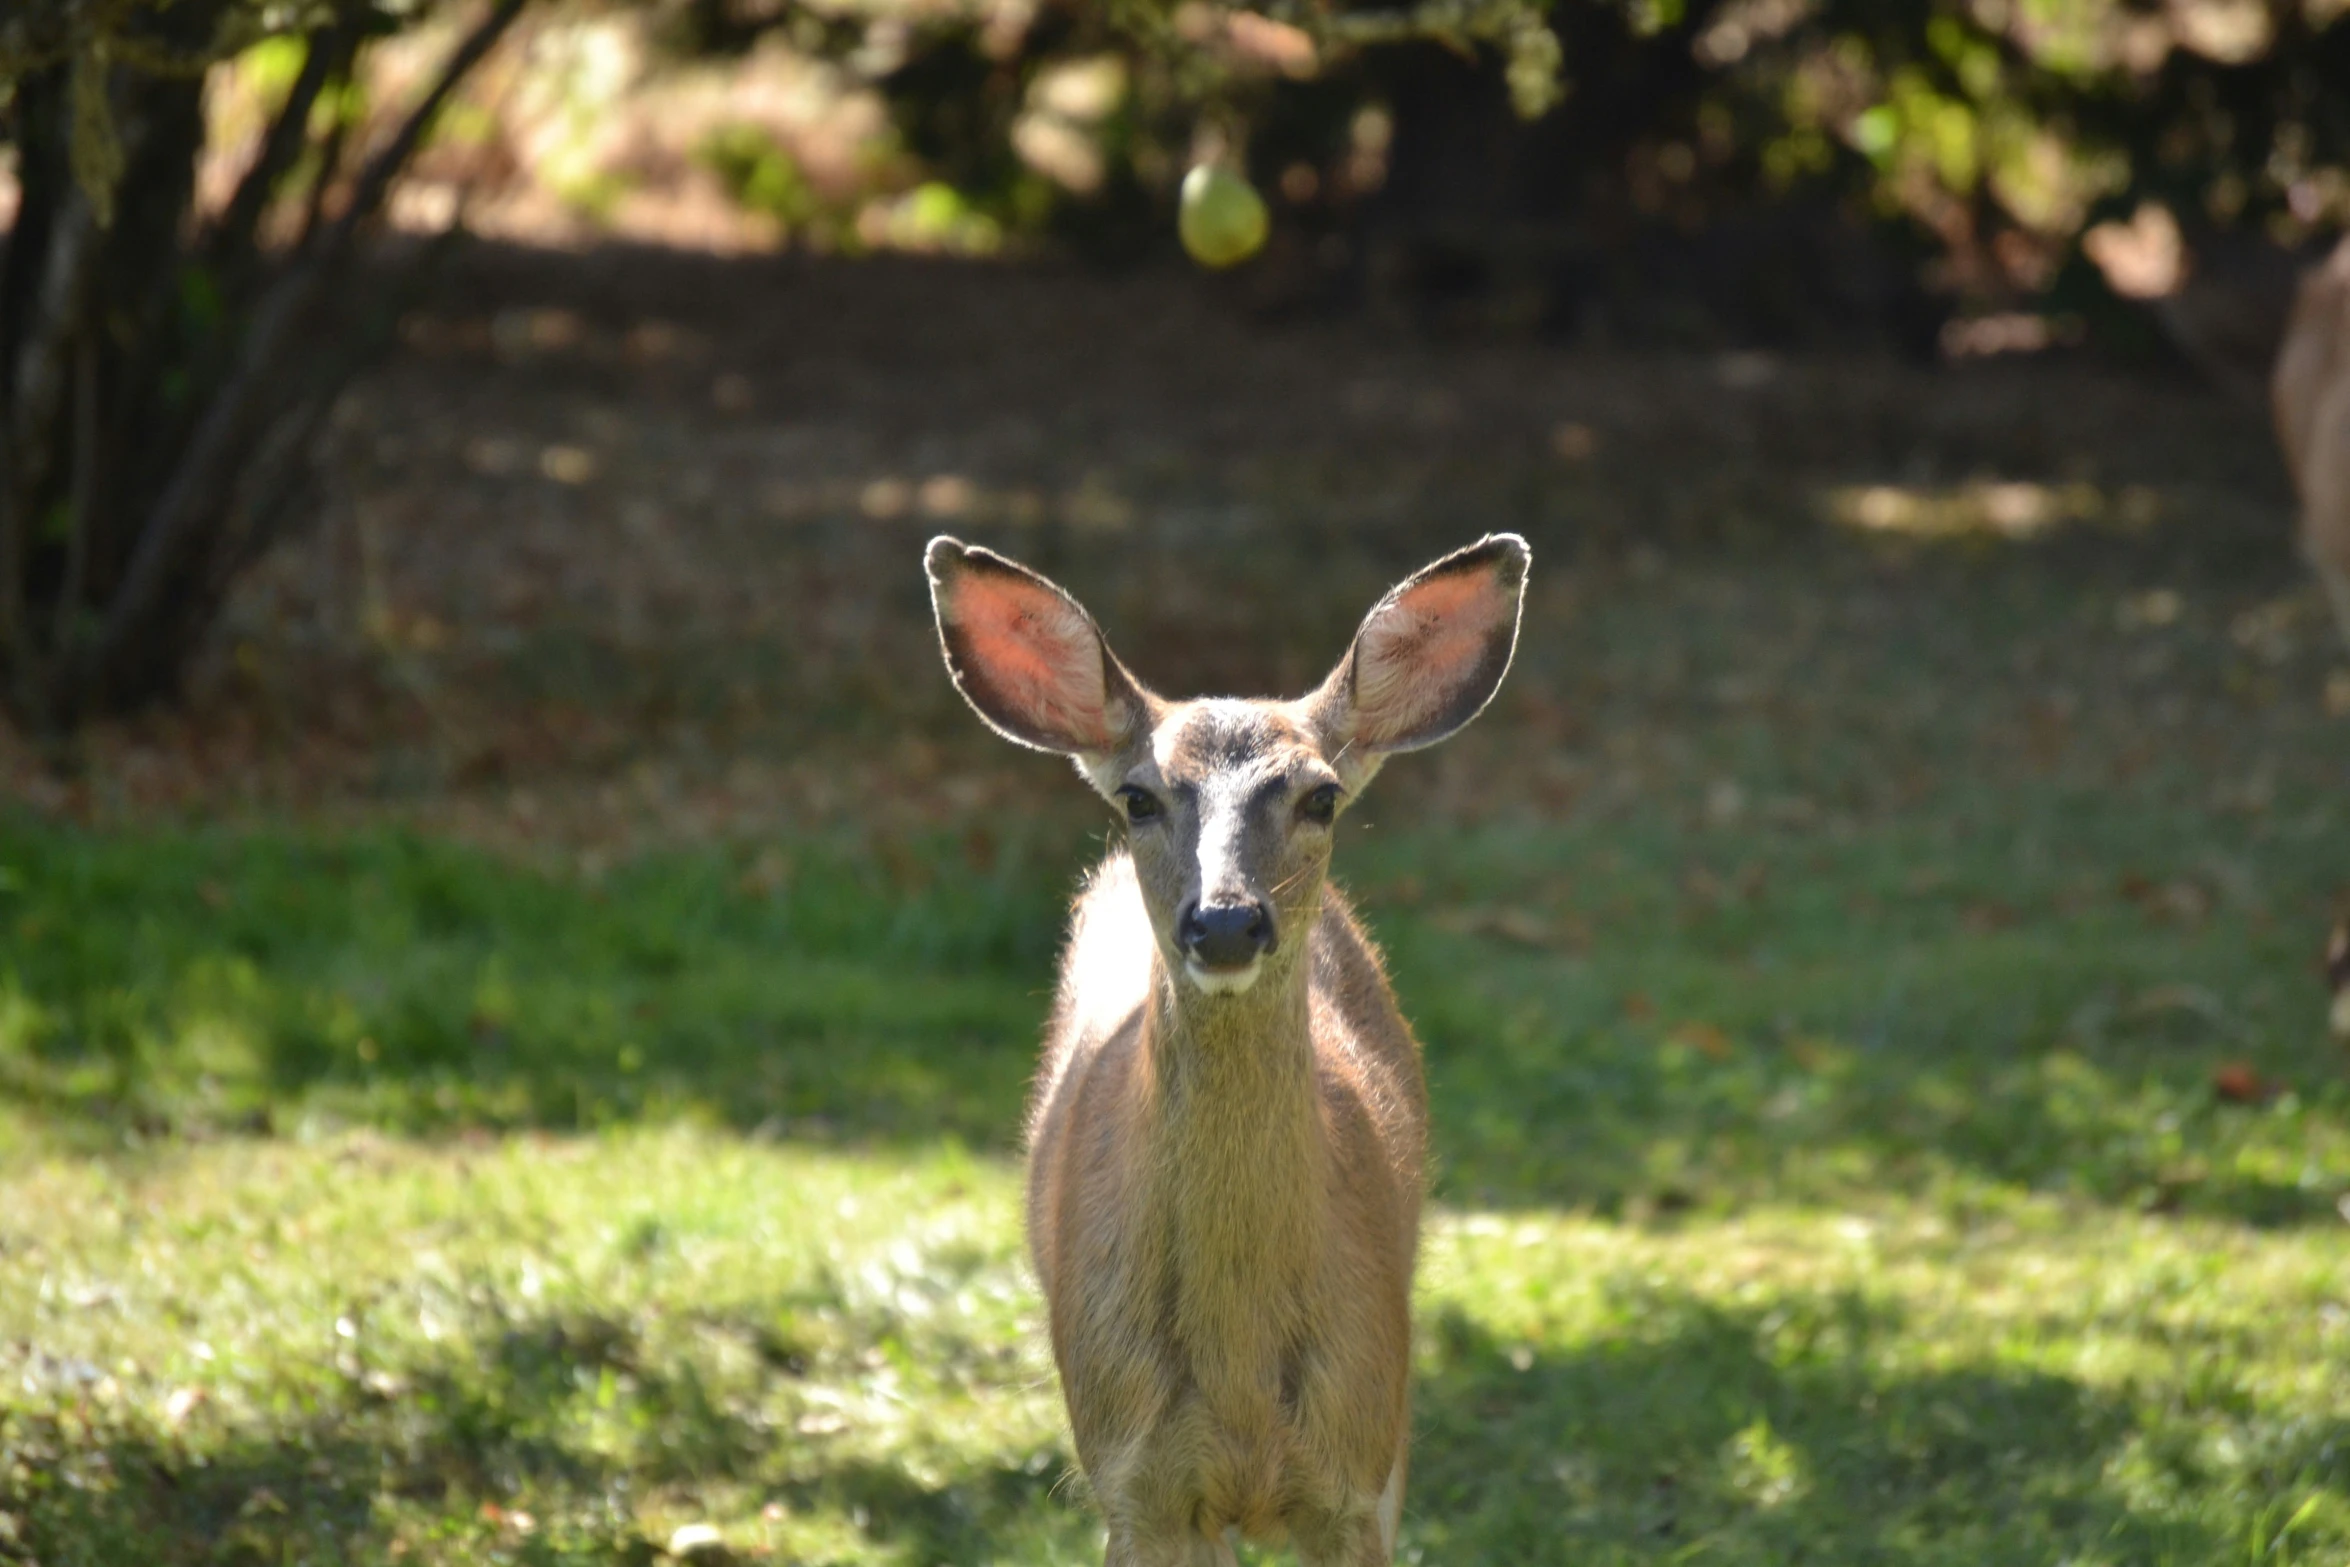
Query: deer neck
(1240,1161)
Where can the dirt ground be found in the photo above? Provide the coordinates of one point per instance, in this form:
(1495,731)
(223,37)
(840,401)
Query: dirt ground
(624,546)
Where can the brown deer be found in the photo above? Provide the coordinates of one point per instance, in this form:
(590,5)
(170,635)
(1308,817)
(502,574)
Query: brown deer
(1228,1126)
(2310,391)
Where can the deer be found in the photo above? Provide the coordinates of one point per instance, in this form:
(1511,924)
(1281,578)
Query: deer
(2310,395)
(1227,1132)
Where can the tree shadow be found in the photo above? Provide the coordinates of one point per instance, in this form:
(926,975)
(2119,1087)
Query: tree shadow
(891,992)
(1654,1068)
(1769,1434)
(1625,1123)
(484,1446)
(1779,1435)
(424,987)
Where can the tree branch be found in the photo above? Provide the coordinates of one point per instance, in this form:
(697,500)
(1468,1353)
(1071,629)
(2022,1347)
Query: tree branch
(84,519)
(376,179)
(330,158)
(232,232)
(38,387)
(207,472)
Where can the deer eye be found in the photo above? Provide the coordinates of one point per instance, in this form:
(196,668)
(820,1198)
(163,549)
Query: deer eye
(1140,805)
(1320,803)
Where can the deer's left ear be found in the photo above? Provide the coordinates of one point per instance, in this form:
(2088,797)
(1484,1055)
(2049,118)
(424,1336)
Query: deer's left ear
(1027,656)
(1428,657)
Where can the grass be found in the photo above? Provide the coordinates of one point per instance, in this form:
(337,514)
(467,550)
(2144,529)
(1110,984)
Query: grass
(561,1349)
(1882,1105)
(376,1198)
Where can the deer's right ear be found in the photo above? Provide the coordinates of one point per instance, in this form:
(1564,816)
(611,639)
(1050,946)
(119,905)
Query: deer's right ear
(1428,658)
(1027,656)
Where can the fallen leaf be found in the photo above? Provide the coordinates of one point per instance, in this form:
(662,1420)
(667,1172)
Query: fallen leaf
(1811,1054)
(2179,998)
(2188,902)
(2338,694)
(1523,927)
(2238,1083)
(1704,1038)
(1990,915)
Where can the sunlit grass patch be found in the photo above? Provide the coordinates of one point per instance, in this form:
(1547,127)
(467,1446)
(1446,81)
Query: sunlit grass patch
(1801,1383)
(2012,509)
(569,1348)
(572,1345)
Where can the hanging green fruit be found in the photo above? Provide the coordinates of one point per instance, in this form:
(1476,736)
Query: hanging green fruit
(1222,218)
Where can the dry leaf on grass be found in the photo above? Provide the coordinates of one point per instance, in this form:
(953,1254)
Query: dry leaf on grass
(1707,1039)
(2238,1082)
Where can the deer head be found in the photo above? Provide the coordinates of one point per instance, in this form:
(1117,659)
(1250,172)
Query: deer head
(1229,803)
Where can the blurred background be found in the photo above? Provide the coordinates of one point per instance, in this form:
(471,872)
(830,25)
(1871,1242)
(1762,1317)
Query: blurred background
(518,974)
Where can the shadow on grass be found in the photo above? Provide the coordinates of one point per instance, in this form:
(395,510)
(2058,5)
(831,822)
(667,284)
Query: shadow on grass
(1635,1120)
(1726,1435)
(224,982)
(328,1494)
(533,1441)
(893,993)
(1743,1436)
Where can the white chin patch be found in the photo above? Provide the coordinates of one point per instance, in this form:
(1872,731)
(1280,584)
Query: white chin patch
(1222,981)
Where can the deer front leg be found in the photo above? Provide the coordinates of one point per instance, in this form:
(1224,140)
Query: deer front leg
(1352,1539)
(1155,1523)
(1190,1549)
(1359,1533)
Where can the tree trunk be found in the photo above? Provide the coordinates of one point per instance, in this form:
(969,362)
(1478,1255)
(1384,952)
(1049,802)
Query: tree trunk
(161,382)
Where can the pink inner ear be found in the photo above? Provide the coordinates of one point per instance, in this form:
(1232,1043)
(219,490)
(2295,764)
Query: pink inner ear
(1419,650)
(1037,653)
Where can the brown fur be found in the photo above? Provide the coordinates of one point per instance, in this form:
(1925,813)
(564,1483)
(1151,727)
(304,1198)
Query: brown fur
(1225,1179)
(2311,395)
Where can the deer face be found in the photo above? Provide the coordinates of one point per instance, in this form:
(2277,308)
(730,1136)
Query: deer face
(1229,804)
(1229,807)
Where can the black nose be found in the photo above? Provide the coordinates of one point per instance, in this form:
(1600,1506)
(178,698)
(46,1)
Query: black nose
(1226,935)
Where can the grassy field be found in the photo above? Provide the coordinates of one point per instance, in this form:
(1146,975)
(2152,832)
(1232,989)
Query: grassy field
(377,1198)
(1866,961)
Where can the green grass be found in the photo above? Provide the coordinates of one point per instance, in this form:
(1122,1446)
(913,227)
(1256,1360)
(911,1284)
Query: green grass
(225,982)
(371,1196)
(373,1350)
(1882,1114)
